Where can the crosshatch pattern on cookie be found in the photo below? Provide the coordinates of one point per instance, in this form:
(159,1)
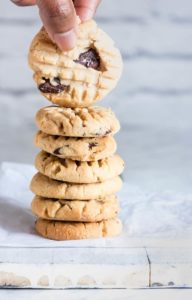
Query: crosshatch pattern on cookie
(78,77)
(77,122)
(75,171)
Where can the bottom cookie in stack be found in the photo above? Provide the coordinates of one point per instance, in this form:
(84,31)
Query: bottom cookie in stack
(57,230)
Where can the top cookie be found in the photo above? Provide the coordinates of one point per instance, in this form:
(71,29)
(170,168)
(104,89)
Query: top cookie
(81,76)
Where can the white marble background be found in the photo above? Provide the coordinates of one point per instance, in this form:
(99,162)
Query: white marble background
(153,99)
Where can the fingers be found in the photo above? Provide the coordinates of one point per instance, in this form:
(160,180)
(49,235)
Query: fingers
(86,9)
(59,19)
(24,2)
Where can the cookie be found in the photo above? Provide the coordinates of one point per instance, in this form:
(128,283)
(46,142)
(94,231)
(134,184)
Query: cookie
(75,210)
(76,171)
(77,122)
(56,230)
(81,76)
(83,149)
(44,186)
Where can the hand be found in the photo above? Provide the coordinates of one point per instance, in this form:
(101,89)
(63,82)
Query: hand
(59,17)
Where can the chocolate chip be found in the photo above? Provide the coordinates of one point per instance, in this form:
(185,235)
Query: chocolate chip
(108,132)
(91,145)
(89,59)
(47,87)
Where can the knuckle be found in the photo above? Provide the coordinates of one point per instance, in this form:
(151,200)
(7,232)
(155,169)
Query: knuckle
(58,14)
(60,10)
(64,10)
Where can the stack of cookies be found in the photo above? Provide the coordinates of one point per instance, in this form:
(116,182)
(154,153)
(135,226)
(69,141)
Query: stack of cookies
(78,170)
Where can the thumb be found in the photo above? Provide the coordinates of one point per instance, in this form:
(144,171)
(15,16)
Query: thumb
(59,19)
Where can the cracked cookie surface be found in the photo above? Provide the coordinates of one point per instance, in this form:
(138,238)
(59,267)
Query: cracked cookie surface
(75,210)
(56,230)
(77,122)
(44,186)
(81,76)
(83,149)
(75,171)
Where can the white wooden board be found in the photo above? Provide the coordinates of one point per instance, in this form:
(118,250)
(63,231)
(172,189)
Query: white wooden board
(74,268)
(95,267)
(170,267)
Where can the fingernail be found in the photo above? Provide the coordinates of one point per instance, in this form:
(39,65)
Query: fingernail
(84,14)
(66,40)
(88,14)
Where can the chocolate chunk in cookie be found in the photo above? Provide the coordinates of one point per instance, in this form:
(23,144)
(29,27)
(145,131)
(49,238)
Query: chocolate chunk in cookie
(89,59)
(91,145)
(48,87)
